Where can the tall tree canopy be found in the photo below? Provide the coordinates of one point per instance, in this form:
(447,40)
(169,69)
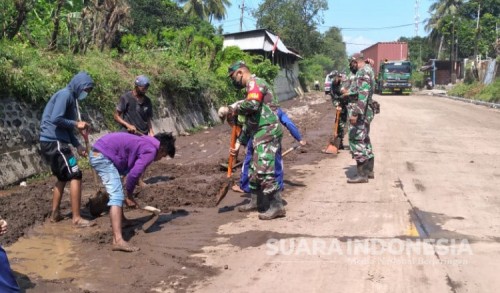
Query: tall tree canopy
(295,21)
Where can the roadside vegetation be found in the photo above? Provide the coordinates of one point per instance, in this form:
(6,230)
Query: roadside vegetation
(43,43)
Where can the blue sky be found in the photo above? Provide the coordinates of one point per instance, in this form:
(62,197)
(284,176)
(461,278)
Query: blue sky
(374,21)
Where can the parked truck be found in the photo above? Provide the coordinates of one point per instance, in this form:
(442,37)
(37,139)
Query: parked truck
(391,66)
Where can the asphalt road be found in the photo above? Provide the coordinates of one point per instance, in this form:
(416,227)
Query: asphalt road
(428,222)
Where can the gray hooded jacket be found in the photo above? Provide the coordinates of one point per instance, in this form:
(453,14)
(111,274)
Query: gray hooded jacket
(60,114)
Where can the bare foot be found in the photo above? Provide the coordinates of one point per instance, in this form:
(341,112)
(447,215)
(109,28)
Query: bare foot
(131,203)
(125,247)
(82,223)
(55,216)
(236,188)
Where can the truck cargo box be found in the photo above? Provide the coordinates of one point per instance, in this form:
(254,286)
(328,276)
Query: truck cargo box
(386,50)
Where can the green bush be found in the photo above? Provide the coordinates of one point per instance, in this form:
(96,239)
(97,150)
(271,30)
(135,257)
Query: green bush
(417,79)
(478,91)
(186,77)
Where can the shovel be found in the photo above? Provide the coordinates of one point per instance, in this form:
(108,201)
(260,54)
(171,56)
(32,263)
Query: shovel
(225,187)
(333,148)
(98,203)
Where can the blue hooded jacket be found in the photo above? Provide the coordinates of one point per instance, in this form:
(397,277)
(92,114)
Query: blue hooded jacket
(60,114)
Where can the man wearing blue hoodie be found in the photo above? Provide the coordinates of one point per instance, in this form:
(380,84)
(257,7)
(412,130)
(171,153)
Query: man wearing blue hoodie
(59,121)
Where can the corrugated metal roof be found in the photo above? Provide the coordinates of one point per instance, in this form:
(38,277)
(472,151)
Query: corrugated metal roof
(256,40)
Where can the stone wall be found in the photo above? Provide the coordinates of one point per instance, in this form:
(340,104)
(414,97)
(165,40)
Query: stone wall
(20,128)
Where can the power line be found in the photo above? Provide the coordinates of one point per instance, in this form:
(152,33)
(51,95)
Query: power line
(368,28)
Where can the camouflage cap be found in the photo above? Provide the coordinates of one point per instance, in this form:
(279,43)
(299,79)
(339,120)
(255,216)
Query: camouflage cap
(235,66)
(356,56)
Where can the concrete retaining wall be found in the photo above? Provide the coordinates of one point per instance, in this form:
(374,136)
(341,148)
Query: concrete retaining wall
(20,128)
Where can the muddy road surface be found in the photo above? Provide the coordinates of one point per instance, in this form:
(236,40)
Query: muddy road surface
(429,221)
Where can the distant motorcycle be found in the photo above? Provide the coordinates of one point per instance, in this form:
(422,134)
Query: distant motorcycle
(428,83)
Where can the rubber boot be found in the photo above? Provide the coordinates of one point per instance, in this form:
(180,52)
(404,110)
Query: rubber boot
(276,208)
(362,176)
(371,163)
(251,206)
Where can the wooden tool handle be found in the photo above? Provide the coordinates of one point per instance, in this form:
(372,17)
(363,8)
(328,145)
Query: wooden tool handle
(337,118)
(234,133)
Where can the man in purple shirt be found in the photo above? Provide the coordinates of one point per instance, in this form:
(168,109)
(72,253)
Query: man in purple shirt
(121,153)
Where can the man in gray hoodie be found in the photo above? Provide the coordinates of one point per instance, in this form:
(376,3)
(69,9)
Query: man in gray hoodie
(59,120)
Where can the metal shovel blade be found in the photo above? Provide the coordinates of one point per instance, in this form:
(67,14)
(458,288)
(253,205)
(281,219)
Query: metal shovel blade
(98,203)
(154,217)
(223,192)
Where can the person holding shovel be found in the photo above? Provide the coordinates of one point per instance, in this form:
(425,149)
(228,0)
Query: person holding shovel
(59,120)
(244,183)
(134,112)
(339,103)
(263,128)
(121,153)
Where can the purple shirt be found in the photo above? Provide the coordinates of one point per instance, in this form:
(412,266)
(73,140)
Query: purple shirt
(130,154)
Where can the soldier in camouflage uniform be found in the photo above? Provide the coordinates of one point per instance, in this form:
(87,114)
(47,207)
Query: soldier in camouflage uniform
(263,127)
(339,103)
(370,114)
(360,116)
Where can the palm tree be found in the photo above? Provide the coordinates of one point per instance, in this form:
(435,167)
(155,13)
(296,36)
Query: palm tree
(195,8)
(438,10)
(206,9)
(217,9)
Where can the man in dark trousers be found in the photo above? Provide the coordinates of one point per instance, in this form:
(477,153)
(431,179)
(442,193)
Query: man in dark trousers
(59,121)
(134,111)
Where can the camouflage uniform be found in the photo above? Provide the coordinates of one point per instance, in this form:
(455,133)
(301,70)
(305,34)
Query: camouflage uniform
(338,100)
(359,140)
(263,127)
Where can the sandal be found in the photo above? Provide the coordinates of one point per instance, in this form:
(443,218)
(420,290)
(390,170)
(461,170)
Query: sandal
(124,248)
(82,223)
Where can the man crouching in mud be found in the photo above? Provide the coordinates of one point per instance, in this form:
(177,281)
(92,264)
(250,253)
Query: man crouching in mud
(121,153)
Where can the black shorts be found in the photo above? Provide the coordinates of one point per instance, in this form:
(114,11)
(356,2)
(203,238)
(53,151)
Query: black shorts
(63,163)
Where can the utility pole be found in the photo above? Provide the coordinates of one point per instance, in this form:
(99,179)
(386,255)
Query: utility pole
(242,6)
(453,75)
(477,31)
(417,17)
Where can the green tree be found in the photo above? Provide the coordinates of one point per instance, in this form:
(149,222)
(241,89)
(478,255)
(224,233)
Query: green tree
(295,21)
(438,11)
(206,9)
(420,50)
(155,15)
(333,46)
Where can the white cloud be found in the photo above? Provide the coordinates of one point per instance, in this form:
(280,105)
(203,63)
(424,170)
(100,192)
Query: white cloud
(357,43)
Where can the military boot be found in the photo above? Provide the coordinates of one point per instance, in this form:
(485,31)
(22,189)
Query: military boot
(362,176)
(369,167)
(251,206)
(341,144)
(276,208)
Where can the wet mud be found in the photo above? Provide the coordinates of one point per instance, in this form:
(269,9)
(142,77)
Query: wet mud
(183,188)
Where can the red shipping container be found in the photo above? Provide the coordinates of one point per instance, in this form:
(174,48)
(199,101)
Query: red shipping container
(386,50)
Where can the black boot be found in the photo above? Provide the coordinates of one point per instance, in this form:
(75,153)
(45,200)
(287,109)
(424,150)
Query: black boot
(362,176)
(341,144)
(276,208)
(251,206)
(371,163)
